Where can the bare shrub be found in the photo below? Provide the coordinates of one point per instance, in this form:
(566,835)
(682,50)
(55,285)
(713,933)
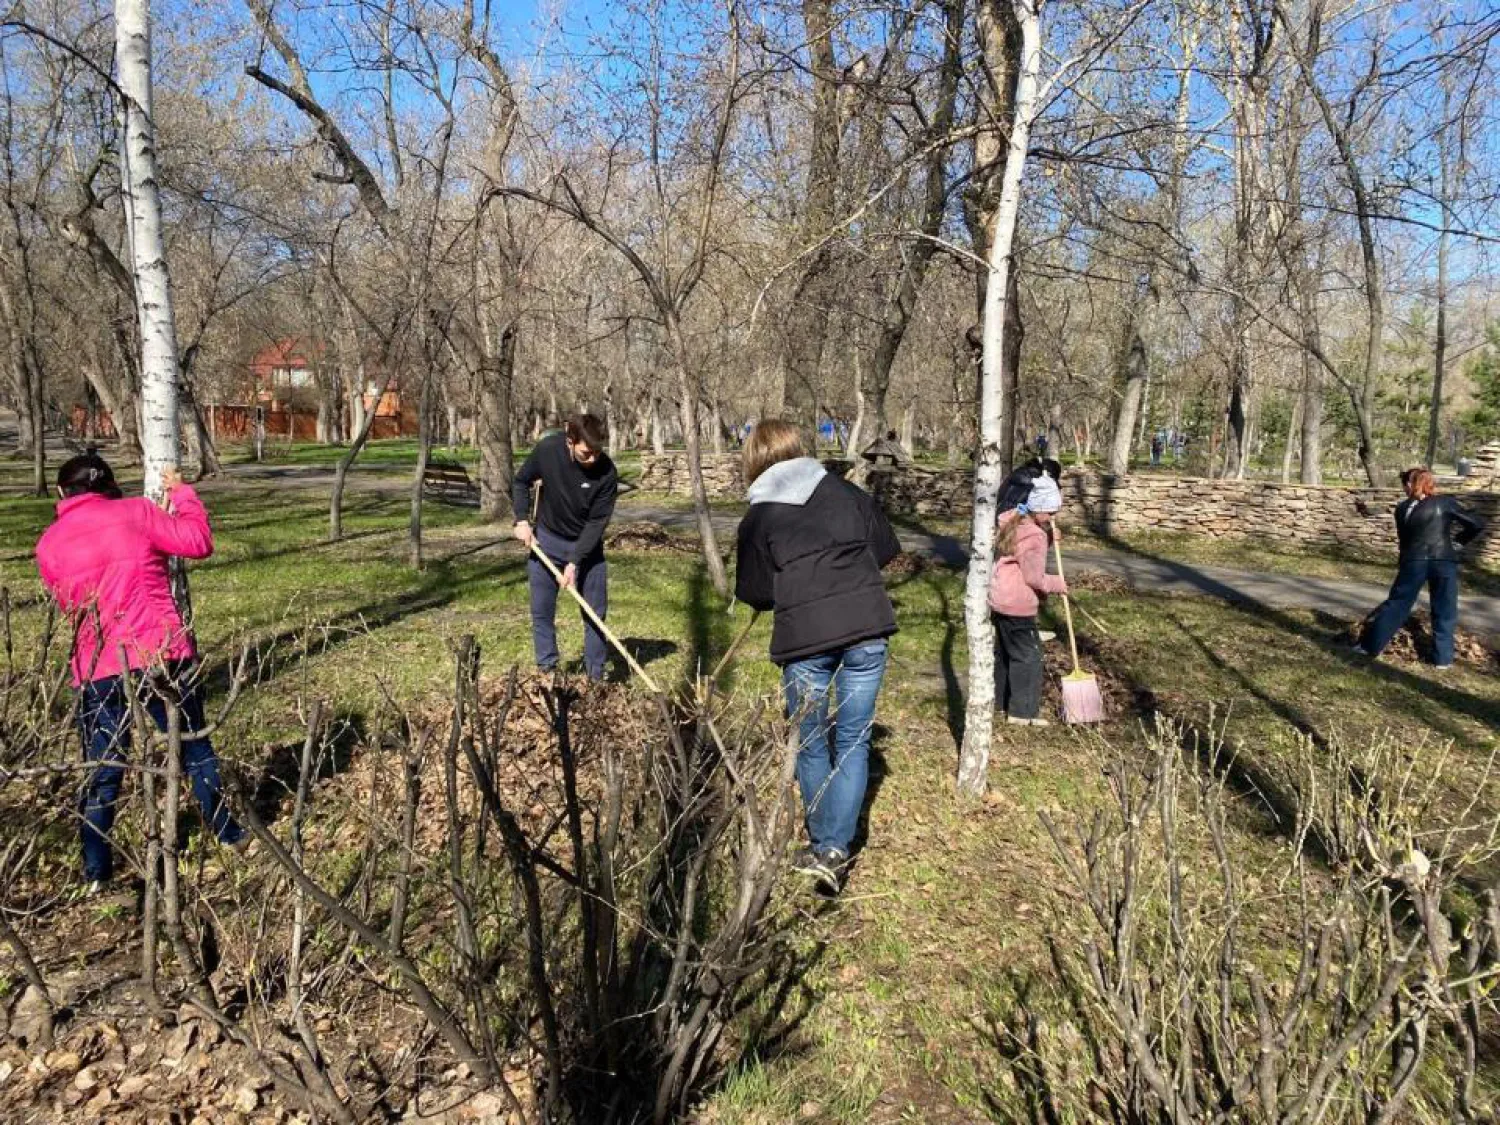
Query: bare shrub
(1341,973)
(549,903)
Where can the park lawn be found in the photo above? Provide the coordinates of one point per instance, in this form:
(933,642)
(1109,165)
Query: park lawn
(946,918)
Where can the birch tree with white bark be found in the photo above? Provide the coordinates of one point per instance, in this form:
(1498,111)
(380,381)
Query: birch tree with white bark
(148,257)
(979,719)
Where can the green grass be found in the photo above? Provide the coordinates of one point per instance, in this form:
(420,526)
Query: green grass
(952,901)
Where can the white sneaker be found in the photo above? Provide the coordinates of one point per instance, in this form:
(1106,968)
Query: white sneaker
(1017,721)
(1046,635)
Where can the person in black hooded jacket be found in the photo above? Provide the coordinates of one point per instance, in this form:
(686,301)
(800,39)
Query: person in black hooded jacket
(811,548)
(1431,529)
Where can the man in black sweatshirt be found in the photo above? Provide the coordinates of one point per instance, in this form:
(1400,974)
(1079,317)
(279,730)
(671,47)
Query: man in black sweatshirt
(579,484)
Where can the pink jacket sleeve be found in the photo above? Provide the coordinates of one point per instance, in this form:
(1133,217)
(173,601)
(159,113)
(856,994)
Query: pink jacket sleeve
(184,531)
(1033,561)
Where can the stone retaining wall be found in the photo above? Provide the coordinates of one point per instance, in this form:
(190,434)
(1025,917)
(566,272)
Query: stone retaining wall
(1357,518)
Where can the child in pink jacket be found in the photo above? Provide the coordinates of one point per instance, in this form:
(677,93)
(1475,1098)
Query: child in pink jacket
(105,560)
(1017,585)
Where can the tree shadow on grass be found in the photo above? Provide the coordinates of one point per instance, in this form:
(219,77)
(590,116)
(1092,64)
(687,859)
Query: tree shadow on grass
(1329,635)
(277,785)
(272,656)
(708,624)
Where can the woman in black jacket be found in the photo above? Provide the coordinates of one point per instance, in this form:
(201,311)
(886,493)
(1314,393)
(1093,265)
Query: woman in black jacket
(811,548)
(1431,530)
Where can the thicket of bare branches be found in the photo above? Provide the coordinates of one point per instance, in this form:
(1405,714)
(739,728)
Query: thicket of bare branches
(557,904)
(1344,972)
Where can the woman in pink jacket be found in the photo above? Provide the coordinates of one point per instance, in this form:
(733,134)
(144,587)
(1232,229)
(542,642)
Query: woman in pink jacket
(105,560)
(1017,585)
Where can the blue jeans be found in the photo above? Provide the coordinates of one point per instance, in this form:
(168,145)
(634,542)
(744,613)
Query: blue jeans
(104,723)
(593,584)
(1441,579)
(833,778)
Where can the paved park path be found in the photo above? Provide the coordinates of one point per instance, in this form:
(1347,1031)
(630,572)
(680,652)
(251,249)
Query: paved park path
(1478,613)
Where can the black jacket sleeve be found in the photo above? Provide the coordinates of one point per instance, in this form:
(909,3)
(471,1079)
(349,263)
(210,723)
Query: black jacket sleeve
(1467,527)
(520,489)
(754,573)
(883,542)
(601,511)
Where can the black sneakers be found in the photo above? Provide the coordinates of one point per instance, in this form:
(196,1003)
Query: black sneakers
(826,866)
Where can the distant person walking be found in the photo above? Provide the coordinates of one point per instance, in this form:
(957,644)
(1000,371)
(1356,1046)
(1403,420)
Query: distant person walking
(579,484)
(1432,530)
(105,561)
(1017,584)
(1158,446)
(811,548)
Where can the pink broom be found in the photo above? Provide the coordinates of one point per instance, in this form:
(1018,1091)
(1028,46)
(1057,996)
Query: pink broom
(1081,699)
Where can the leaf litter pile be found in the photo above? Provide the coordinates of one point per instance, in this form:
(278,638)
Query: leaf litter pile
(1412,644)
(117,1056)
(644,535)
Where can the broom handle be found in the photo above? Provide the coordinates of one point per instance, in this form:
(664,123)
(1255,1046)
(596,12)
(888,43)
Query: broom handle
(588,610)
(1067,609)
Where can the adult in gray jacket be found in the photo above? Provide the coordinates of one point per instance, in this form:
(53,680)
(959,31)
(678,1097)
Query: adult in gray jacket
(811,548)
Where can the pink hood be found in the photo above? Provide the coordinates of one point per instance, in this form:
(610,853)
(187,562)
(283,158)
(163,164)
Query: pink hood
(106,563)
(1019,577)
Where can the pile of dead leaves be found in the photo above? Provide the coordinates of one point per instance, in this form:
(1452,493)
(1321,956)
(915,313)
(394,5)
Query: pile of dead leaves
(909,563)
(645,535)
(138,1070)
(1119,694)
(1412,644)
(1097,582)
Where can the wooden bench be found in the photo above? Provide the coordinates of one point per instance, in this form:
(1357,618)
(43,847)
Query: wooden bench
(449,481)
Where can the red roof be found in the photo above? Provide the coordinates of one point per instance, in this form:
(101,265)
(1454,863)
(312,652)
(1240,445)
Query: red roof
(291,352)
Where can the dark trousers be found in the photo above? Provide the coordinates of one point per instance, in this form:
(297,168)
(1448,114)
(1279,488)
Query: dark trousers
(1441,579)
(104,723)
(1018,666)
(593,584)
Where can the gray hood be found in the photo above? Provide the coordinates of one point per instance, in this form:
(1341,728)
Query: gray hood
(788,482)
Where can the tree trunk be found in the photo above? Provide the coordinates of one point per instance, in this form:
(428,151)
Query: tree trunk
(711,557)
(38,426)
(160,369)
(979,717)
(658,438)
(1440,342)
(1132,368)
(806,326)
(341,473)
(1234,416)
(1291,441)
(357,410)
(496,453)
(716,426)
(424,449)
(902,304)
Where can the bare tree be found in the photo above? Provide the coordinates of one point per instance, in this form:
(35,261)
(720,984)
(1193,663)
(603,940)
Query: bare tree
(979,715)
(140,181)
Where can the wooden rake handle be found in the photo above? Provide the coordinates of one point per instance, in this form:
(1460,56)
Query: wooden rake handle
(536,502)
(598,621)
(732,649)
(1067,608)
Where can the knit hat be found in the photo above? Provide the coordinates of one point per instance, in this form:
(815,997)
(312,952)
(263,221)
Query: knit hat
(1045,495)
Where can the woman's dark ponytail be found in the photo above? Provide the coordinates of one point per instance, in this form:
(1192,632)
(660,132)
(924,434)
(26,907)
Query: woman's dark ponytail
(88,472)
